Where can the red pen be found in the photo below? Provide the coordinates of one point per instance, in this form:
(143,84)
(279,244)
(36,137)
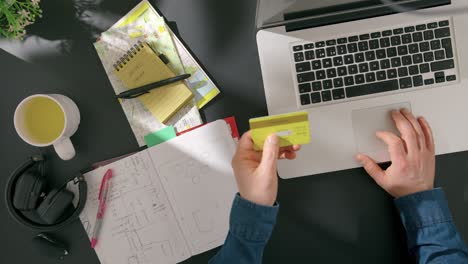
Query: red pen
(103,193)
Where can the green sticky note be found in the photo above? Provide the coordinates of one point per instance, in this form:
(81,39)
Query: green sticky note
(160,136)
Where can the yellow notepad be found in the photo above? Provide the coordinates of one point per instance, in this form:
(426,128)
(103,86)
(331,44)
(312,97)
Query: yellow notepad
(141,66)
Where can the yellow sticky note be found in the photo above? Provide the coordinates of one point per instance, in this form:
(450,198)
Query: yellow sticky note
(292,128)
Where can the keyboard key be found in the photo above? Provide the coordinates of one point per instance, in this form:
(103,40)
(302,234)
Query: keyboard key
(417,37)
(432,25)
(297,48)
(321,75)
(359,79)
(331,51)
(442,65)
(353,39)
(418,81)
(326,96)
(349,59)
(385,64)
(317,64)
(381,54)
(359,57)
(385,42)
(370,77)
(429,56)
(439,77)
(424,46)
(402,72)
(391,52)
(428,35)
(392,73)
(341,49)
(331,42)
(429,81)
(386,33)
(342,71)
(444,23)
(363,67)
(396,62)
(298,56)
(304,88)
(406,83)
(338,94)
(406,39)
(315,98)
(395,40)
(407,60)
(435,44)
(363,46)
(410,29)
(439,55)
(370,55)
(371,88)
(447,45)
(376,35)
(413,69)
(342,40)
(338,61)
(364,37)
(338,82)
(417,58)
(302,67)
(398,31)
(352,47)
(327,84)
(374,44)
(331,73)
(349,81)
(413,48)
(421,27)
(310,55)
(327,63)
(309,46)
(402,50)
(374,66)
(352,69)
(424,68)
(320,53)
(381,75)
(451,78)
(317,86)
(305,77)
(320,44)
(305,99)
(442,32)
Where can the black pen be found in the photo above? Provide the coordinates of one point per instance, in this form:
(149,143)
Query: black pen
(135,92)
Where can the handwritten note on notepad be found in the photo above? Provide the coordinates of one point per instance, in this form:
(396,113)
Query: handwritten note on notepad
(142,66)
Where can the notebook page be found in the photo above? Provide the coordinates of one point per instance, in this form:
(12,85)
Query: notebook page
(139,224)
(195,169)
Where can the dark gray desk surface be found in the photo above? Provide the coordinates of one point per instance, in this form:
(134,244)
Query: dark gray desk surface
(340,217)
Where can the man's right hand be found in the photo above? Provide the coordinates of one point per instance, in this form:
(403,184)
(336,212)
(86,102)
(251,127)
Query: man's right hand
(412,155)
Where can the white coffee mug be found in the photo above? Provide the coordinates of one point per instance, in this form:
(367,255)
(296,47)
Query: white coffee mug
(48,119)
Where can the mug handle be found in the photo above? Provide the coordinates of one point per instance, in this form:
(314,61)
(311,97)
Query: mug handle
(65,149)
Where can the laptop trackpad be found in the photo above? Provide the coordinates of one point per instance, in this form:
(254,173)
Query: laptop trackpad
(366,122)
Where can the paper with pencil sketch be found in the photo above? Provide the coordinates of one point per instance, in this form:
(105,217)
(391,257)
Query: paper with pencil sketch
(168,202)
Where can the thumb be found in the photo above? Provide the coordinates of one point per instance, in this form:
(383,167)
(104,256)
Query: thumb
(270,155)
(371,167)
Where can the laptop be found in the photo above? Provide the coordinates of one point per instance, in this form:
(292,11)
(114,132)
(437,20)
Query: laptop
(348,63)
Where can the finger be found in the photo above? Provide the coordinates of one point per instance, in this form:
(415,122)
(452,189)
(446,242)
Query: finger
(287,155)
(245,143)
(394,143)
(417,128)
(371,168)
(291,148)
(269,155)
(429,137)
(406,130)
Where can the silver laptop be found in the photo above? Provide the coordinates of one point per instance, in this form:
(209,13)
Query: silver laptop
(348,63)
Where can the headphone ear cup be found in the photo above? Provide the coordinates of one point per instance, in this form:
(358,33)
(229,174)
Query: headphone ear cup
(54,205)
(28,189)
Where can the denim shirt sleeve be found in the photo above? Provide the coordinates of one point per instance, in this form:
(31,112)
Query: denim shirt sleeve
(431,234)
(250,228)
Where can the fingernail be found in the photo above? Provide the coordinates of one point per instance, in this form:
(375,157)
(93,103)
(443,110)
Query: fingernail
(273,139)
(359,158)
(405,110)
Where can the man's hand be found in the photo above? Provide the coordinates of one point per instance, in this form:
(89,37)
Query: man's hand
(412,155)
(256,171)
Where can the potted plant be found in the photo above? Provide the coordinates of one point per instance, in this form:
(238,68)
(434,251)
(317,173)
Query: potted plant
(16,15)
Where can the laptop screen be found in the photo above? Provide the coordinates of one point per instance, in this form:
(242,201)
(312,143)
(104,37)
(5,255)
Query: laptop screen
(299,14)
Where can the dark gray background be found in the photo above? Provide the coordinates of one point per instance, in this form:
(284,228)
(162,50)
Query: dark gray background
(341,217)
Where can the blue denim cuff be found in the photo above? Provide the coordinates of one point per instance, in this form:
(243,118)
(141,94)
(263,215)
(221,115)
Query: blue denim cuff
(423,209)
(252,222)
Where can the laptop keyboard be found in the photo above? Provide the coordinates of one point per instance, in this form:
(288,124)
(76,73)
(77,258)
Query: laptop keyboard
(400,59)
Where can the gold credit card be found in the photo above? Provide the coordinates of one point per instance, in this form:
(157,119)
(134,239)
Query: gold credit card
(292,128)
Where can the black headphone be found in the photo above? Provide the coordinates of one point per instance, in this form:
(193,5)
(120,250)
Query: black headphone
(30,201)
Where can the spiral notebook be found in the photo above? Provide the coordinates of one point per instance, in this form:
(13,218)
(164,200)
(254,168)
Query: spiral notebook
(141,66)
